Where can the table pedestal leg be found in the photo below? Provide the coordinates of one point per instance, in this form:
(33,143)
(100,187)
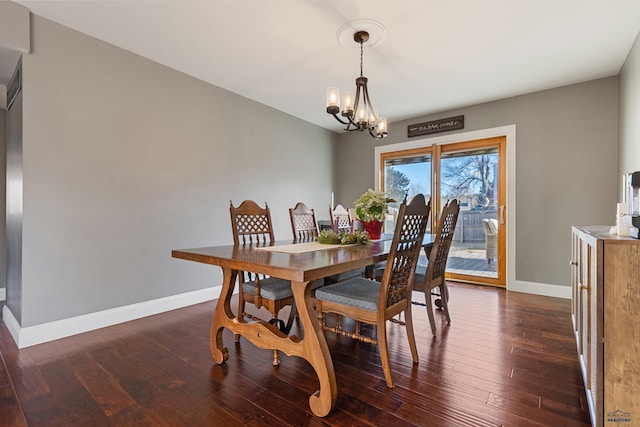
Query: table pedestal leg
(222,316)
(316,352)
(313,348)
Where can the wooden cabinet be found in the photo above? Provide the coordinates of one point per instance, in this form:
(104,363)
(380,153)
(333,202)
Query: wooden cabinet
(605,277)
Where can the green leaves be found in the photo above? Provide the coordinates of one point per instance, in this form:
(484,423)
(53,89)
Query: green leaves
(328,237)
(343,238)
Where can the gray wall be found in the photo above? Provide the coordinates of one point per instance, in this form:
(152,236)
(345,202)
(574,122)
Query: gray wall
(566,170)
(14,28)
(629,155)
(125,160)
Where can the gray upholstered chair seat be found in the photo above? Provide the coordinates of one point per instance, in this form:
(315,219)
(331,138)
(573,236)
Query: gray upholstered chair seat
(357,292)
(419,282)
(274,288)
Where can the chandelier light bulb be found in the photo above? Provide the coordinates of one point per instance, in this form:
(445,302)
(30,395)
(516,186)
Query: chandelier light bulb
(348,103)
(382,126)
(333,98)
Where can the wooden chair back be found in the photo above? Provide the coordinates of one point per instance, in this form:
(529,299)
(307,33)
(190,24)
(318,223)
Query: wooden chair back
(444,236)
(303,223)
(397,279)
(434,276)
(250,223)
(340,219)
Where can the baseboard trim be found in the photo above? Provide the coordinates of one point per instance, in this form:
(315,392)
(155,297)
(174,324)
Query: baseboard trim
(32,335)
(544,289)
(12,324)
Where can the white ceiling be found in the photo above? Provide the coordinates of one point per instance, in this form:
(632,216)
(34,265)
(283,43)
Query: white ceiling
(437,55)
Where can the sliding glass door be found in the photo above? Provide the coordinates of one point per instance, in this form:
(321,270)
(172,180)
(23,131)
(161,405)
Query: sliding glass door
(472,172)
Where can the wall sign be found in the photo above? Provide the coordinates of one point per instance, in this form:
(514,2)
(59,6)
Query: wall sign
(436,126)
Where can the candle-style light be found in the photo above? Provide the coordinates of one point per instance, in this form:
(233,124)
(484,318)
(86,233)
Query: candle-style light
(359,113)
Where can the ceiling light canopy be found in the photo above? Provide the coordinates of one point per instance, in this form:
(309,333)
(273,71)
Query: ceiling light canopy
(357,113)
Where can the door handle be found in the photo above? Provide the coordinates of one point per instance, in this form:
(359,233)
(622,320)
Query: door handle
(501,214)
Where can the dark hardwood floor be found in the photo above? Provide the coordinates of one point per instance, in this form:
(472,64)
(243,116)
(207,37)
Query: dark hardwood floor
(507,359)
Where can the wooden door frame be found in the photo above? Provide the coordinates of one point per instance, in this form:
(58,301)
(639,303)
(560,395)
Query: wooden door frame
(500,143)
(436,152)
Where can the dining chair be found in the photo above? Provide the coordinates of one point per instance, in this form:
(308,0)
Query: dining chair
(305,228)
(303,223)
(340,219)
(251,225)
(433,275)
(374,302)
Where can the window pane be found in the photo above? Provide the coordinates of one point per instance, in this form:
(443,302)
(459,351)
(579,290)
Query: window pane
(470,177)
(406,176)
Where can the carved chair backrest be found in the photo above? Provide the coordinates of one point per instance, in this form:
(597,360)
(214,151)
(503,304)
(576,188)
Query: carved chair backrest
(440,250)
(397,279)
(340,219)
(303,223)
(250,223)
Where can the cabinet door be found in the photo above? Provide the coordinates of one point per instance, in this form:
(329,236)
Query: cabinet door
(580,278)
(622,333)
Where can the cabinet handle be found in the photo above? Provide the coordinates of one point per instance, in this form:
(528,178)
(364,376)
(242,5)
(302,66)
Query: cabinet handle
(583,287)
(573,263)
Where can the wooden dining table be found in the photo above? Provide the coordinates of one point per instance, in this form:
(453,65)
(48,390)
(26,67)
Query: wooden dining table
(301,266)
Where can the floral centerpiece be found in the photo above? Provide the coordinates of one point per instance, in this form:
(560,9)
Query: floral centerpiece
(371,208)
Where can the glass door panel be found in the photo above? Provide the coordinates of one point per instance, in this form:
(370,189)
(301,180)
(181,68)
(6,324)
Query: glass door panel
(405,174)
(471,176)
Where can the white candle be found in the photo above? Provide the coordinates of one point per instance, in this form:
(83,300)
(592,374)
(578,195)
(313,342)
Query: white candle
(332,205)
(333,97)
(347,102)
(382,126)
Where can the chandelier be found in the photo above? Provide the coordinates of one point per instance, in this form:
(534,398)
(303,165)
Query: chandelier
(358,114)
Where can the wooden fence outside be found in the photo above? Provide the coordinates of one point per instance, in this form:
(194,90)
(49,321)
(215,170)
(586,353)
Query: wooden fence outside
(469,228)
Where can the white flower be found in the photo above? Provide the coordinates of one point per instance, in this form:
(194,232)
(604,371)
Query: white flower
(372,205)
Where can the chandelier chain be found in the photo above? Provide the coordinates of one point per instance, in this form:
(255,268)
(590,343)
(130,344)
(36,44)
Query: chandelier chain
(361,56)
